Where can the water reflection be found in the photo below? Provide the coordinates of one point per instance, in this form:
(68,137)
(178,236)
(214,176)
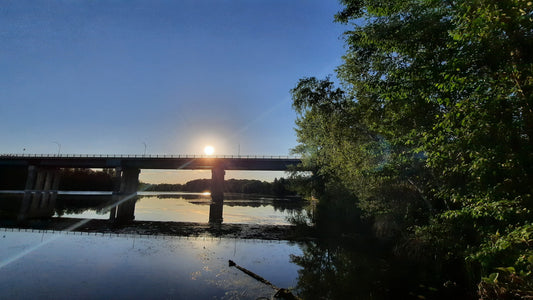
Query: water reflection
(79,266)
(174,207)
(186,207)
(332,271)
(357,268)
(324,268)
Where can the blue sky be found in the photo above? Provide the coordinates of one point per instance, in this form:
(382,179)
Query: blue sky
(104,77)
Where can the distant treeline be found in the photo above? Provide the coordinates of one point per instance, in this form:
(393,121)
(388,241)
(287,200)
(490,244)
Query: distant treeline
(14,178)
(280,187)
(86,180)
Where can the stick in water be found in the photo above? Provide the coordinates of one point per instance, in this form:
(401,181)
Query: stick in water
(280,294)
(252,274)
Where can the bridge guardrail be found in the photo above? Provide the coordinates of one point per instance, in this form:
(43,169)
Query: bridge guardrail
(146,156)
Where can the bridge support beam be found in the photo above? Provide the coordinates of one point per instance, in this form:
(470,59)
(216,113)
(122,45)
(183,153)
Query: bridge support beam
(217,195)
(40,193)
(125,194)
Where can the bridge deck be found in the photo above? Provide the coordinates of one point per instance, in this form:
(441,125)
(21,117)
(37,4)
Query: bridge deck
(187,162)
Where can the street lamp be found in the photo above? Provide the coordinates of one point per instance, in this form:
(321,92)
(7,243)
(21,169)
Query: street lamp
(144,148)
(58,148)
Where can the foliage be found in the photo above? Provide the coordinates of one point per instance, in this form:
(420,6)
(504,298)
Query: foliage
(513,247)
(431,133)
(85,180)
(13,178)
(506,284)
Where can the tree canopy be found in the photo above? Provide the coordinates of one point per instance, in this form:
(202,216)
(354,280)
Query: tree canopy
(432,127)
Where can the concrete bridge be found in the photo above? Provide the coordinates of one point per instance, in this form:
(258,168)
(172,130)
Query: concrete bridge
(42,181)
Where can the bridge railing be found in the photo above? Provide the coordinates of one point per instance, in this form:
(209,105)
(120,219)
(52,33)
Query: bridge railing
(187,156)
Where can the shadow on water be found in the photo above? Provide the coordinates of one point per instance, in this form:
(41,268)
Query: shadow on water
(353,263)
(340,270)
(334,271)
(10,206)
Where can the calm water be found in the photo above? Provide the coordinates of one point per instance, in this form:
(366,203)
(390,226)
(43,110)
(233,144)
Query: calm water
(193,207)
(95,266)
(81,266)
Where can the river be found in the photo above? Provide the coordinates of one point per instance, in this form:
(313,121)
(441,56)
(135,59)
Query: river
(186,207)
(93,265)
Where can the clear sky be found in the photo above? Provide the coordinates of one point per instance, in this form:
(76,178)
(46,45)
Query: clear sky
(108,77)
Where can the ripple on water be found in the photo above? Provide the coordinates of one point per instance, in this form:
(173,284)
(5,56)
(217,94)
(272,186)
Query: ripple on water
(90,266)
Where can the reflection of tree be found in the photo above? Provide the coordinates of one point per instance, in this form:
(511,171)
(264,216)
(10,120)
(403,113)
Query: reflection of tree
(10,205)
(86,180)
(358,268)
(247,186)
(181,196)
(13,178)
(335,272)
(290,205)
(77,204)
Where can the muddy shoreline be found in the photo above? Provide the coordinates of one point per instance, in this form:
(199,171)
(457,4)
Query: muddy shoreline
(183,229)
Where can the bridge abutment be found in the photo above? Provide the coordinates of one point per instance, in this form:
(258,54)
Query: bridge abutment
(40,193)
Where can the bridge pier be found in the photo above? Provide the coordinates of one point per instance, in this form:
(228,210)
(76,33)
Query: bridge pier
(217,194)
(125,194)
(40,193)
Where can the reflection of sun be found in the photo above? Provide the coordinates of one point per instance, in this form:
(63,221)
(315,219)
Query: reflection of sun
(209,150)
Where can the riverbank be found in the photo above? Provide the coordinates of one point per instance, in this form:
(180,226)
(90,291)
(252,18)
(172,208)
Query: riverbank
(184,229)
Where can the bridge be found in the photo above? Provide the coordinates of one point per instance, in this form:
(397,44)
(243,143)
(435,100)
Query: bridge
(187,162)
(42,181)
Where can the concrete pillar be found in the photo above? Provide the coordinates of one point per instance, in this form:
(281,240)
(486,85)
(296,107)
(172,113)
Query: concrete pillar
(49,177)
(55,186)
(40,193)
(128,195)
(116,192)
(217,195)
(216,212)
(26,200)
(38,188)
(217,184)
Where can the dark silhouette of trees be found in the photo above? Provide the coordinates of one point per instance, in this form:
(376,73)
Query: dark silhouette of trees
(430,139)
(13,178)
(85,180)
(280,187)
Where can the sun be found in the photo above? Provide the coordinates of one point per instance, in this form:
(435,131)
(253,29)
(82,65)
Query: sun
(209,150)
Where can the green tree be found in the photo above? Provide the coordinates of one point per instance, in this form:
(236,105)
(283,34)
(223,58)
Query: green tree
(355,169)
(433,129)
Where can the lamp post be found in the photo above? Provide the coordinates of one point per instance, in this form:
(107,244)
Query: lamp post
(58,148)
(144,149)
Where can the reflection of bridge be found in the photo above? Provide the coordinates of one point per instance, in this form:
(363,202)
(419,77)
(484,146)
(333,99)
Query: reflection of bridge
(43,180)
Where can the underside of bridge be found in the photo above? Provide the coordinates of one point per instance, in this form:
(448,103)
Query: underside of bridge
(42,181)
(40,193)
(42,184)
